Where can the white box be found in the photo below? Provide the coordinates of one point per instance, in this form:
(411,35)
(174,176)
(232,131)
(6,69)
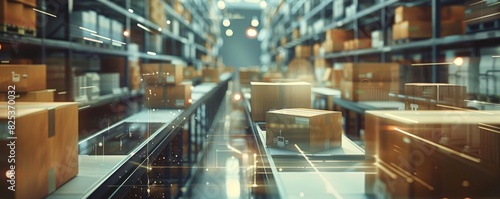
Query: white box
(103,26)
(84,19)
(175,27)
(377,39)
(116,30)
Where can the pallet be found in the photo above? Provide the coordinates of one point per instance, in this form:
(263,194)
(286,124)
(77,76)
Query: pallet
(13,29)
(483,26)
(87,42)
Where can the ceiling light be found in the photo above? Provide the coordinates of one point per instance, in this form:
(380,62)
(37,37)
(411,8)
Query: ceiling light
(251,32)
(226,22)
(263,4)
(229,32)
(221,5)
(254,22)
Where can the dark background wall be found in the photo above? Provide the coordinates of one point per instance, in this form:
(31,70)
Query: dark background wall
(238,50)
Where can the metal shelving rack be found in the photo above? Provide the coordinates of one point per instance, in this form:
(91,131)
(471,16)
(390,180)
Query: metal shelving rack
(378,10)
(119,11)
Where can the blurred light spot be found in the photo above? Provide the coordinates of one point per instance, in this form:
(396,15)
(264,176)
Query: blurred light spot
(254,22)
(459,61)
(168,22)
(263,4)
(221,5)
(130,10)
(465,183)
(229,32)
(301,194)
(237,96)
(251,32)
(226,22)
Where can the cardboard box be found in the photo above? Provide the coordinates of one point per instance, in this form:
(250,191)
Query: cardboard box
(210,75)
(361,43)
(339,35)
(62,141)
(168,96)
(296,33)
(190,73)
(452,27)
(104,26)
(417,13)
(333,46)
(317,49)
(396,137)
(162,74)
(412,30)
(48,157)
(29,19)
(269,76)
(348,45)
(24,77)
(302,51)
(27,3)
(248,75)
(371,71)
(33,96)
(11,13)
(377,39)
(428,96)
(368,91)
(454,12)
(31,165)
(272,96)
(336,78)
(299,66)
(311,130)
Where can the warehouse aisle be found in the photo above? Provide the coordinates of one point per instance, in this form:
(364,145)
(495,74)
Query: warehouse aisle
(225,171)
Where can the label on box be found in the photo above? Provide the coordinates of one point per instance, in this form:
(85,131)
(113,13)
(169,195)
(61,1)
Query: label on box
(366,75)
(179,102)
(301,120)
(170,78)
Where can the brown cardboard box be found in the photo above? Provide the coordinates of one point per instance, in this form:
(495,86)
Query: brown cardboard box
(272,96)
(157,13)
(210,75)
(321,63)
(62,149)
(316,49)
(299,66)
(362,43)
(27,3)
(190,73)
(30,147)
(333,46)
(417,13)
(33,96)
(302,51)
(162,74)
(269,76)
(454,12)
(371,71)
(54,149)
(396,137)
(452,27)
(249,74)
(11,13)
(311,130)
(176,96)
(348,45)
(336,78)
(283,40)
(412,30)
(24,77)
(427,96)
(339,35)
(29,19)
(368,91)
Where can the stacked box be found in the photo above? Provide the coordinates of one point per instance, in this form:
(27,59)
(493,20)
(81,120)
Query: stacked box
(160,96)
(93,86)
(377,39)
(336,78)
(190,73)
(269,76)
(46,95)
(18,14)
(164,86)
(103,26)
(24,77)
(299,66)
(53,147)
(157,13)
(434,96)
(415,22)
(248,75)
(311,130)
(272,96)
(335,38)
(355,44)
(476,11)
(210,74)
(162,74)
(302,51)
(369,81)
(117,31)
